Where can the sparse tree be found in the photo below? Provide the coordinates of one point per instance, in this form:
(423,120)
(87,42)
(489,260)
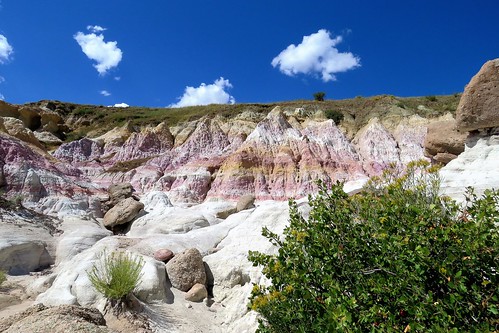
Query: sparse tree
(319,96)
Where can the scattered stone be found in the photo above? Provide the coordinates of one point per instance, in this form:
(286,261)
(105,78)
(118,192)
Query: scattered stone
(186,269)
(163,255)
(245,202)
(125,211)
(223,214)
(479,104)
(197,293)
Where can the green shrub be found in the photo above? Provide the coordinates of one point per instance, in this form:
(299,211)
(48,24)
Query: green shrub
(319,96)
(116,276)
(3,277)
(336,116)
(431,98)
(393,258)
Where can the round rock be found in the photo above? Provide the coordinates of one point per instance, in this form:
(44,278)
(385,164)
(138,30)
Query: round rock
(197,293)
(163,255)
(186,269)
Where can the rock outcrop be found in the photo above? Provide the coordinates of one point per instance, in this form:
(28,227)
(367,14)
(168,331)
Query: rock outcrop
(479,104)
(443,142)
(123,212)
(478,112)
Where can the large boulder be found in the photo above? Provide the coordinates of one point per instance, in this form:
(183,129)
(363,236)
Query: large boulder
(479,105)
(443,142)
(124,211)
(186,269)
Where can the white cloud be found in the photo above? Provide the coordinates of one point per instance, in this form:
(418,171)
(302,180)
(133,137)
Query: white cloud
(2,79)
(316,55)
(105,93)
(95,28)
(120,105)
(117,78)
(206,94)
(6,49)
(106,54)
(2,97)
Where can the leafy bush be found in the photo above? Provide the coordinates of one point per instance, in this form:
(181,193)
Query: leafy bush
(431,98)
(393,258)
(2,277)
(336,116)
(319,96)
(116,276)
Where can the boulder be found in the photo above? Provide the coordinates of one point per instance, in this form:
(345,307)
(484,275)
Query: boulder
(479,104)
(163,255)
(118,192)
(197,293)
(443,142)
(186,269)
(245,202)
(124,211)
(15,127)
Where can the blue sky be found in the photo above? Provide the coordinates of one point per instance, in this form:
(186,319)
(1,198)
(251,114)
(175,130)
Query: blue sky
(164,52)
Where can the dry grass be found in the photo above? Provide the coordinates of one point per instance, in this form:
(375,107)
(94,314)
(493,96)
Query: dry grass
(99,119)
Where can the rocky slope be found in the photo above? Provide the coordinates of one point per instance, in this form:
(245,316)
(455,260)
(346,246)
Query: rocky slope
(182,183)
(274,155)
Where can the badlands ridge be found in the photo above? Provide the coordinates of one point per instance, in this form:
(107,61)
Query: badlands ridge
(203,189)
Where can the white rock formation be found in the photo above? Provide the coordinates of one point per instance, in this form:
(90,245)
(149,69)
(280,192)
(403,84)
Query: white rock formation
(477,166)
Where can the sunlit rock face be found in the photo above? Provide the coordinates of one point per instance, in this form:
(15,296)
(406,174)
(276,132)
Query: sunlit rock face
(276,156)
(33,175)
(278,161)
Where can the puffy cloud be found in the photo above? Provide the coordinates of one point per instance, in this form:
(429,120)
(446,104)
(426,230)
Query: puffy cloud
(105,93)
(316,55)
(95,28)
(121,105)
(106,54)
(6,49)
(2,97)
(206,94)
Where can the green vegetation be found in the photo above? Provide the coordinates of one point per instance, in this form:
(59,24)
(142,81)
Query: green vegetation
(116,276)
(3,277)
(336,116)
(393,258)
(319,96)
(92,120)
(431,98)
